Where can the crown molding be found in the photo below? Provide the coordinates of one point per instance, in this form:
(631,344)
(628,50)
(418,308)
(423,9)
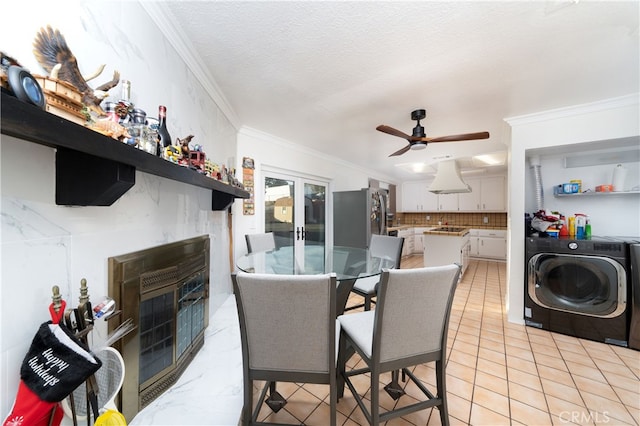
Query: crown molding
(161,16)
(606,104)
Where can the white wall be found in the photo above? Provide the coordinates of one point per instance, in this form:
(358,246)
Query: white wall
(274,153)
(601,121)
(43,244)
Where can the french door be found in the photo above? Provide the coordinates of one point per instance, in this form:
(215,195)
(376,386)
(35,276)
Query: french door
(295,211)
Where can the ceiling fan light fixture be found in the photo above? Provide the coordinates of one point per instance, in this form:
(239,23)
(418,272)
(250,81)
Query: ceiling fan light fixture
(418,146)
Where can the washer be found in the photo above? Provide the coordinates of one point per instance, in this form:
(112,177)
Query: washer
(578,287)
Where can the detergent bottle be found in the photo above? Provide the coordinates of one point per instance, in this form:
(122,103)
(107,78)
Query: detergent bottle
(587,229)
(581,221)
(564,229)
(572,226)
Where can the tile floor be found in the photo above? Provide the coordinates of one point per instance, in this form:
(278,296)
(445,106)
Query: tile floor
(499,373)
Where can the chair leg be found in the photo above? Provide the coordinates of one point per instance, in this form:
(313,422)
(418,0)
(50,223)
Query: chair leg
(367,302)
(333,400)
(275,401)
(247,410)
(441,383)
(393,388)
(341,367)
(375,398)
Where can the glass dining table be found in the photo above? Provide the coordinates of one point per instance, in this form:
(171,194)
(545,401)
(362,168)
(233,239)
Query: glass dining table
(348,263)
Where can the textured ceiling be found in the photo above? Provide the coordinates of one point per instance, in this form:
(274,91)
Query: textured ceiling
(325,74)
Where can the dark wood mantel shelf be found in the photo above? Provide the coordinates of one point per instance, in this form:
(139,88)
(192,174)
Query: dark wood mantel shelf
(93,169)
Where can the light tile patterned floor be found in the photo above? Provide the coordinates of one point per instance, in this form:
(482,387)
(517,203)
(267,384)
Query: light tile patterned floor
(499,373)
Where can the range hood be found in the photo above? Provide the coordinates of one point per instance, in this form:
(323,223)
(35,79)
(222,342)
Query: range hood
(448,179)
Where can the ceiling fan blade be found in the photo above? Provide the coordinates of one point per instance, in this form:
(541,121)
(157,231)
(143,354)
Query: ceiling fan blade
(401,151)
(463,137)
(393,132)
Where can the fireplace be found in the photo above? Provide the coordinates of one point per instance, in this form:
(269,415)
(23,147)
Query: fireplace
(165,291)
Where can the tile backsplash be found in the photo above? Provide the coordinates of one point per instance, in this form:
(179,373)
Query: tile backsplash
(472,220)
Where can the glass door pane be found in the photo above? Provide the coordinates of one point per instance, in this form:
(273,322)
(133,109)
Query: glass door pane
(314,226)
(279,210)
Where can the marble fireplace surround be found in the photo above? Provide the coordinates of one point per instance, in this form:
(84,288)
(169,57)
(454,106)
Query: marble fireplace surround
(67,244)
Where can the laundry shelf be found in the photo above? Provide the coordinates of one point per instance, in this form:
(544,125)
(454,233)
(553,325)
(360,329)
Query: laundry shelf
(595,194)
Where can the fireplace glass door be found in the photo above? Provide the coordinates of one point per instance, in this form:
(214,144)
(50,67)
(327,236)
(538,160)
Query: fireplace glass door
(165,291)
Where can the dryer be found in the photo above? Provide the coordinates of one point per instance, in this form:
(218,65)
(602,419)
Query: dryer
(578,287)
(634,301)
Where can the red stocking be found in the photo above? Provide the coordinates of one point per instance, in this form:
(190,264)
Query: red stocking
(29,410)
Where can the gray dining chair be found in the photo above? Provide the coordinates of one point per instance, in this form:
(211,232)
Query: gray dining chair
(260,242)
(407,328)
(382,246)
(288,334)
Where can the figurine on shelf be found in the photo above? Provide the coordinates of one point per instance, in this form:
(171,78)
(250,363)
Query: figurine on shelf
(184,146)
(209,168)
(172,153)
(53,54)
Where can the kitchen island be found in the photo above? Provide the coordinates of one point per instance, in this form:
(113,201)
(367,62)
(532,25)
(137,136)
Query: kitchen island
(445,245)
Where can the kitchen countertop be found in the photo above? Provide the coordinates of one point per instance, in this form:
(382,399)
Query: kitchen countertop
(460,233)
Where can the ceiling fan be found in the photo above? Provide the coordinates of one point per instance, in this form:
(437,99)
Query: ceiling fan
(418,139)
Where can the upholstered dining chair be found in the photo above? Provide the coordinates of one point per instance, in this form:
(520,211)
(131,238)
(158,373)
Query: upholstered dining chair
(288,334)
(407,328)
(382,246)
(260,242)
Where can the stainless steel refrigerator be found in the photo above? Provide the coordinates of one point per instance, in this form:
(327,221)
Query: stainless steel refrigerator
(359,214)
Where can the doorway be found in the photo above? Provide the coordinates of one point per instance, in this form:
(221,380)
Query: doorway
(295,210)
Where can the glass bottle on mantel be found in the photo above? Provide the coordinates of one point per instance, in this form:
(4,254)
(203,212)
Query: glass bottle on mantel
(164,139)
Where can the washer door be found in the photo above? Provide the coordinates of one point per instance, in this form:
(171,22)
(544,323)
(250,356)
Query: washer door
(587,285)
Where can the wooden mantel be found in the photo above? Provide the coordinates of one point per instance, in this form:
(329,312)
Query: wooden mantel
(93,169)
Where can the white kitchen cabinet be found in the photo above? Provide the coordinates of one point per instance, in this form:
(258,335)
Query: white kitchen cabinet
(418,245)
(492,193)
(470,201)
(408,245)
(430,200)
(489,243)
(411,198)
(448,202)
(418,239)
(473,242)
(416,198)
(487,194)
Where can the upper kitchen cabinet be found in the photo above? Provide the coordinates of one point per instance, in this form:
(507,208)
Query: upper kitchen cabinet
(487,194)
(416,197)
(448,202)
